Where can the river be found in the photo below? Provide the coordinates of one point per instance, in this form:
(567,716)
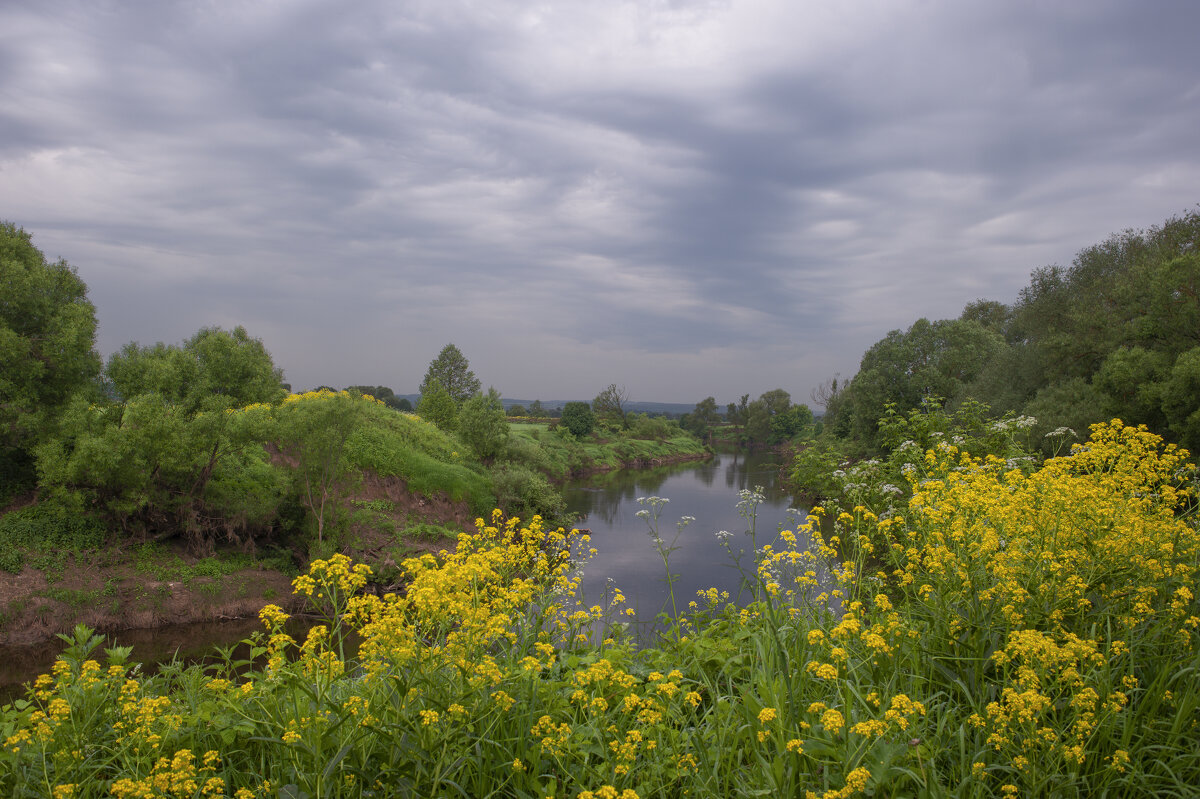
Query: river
(626,556)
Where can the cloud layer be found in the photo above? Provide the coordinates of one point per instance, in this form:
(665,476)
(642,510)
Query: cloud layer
(687,198)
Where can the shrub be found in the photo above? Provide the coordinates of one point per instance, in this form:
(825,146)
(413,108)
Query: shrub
(578,418)
(525,493)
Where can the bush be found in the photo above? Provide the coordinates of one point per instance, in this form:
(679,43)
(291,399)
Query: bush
(578,418)
(524,493)
(482,425)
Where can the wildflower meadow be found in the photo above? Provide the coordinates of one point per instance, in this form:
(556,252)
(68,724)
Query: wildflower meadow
(1012,632)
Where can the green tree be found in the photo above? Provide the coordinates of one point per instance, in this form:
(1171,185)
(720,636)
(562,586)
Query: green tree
(482,425)
(788,424)
(930,359)
(152,468)
(578,418)
(47,334)
(703,417)
(437,406)
(517,411)
(213,369)
(610,406)
(536,409)
(1181,399)
(167,457)
(451,370)
(314,430)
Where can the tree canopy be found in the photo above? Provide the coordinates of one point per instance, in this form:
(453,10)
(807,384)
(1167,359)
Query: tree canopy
(452,372)
(47,337)
(578,418)
(1115,334)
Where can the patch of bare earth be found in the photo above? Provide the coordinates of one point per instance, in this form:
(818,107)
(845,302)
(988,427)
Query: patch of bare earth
(106,592)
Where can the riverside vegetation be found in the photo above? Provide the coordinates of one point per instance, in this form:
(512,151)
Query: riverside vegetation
(1013,632)
(1001,625)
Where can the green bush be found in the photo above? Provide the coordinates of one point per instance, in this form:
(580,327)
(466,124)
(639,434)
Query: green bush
(525,493)
(578,418)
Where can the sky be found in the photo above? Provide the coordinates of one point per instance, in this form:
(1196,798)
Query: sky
(683,198)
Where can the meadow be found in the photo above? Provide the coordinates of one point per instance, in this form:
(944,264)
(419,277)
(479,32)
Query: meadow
(1012,632)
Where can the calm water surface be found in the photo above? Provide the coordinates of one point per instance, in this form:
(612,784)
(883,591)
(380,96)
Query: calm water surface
(707,490)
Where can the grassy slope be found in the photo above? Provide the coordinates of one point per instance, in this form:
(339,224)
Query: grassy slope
(559,457)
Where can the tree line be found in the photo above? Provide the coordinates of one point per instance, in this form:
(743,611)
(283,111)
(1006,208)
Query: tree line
(1115,334)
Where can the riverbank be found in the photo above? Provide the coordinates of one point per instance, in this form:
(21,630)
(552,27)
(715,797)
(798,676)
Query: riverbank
(113,585)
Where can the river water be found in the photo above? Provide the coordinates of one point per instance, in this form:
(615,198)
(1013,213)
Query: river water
(626,556)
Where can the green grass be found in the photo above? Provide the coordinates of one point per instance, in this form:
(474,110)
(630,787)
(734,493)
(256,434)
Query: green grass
(428,460)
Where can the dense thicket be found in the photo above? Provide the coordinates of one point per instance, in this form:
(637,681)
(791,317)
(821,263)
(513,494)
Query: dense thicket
(1115,334)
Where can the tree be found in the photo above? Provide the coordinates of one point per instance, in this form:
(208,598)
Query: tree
(536,410)
(790,423)
(578,418)
(703,417)
(381,393)
(47,334)
(609,406)
(214,369)
(437,406)
(401,404)
(482,425)
(451,370)
(164,454)
(517,410)
(930,359)
(314,429)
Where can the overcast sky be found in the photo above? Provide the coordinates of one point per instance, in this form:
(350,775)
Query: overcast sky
(686,198)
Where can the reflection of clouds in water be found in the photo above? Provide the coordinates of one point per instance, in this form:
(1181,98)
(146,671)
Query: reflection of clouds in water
(626,552)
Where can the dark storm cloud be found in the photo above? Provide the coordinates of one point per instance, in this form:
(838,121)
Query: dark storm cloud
(688,198)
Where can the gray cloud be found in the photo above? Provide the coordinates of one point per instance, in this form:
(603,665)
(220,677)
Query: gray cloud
(687,198)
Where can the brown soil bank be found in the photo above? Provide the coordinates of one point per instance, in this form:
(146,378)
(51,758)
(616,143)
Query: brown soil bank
(108,596)
(109,590)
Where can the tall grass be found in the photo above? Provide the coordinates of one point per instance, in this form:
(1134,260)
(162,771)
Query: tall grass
(1010,634)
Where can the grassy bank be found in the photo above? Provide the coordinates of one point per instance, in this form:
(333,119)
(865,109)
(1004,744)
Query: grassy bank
(559,455)
(1030,635)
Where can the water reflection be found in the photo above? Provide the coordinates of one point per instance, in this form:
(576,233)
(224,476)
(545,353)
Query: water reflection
(626,556)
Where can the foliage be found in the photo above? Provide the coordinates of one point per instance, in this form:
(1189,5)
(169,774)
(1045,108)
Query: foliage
(1019,634)
(214,369)
(314,429)
(147,465)
(483,426)
(452,372)
(524,493)
(518,410)
(47,334)
(578,418)
(929,359)
(825,470)
(610,406)
(437,406)
(703,417)
(45,528)
(655,428)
